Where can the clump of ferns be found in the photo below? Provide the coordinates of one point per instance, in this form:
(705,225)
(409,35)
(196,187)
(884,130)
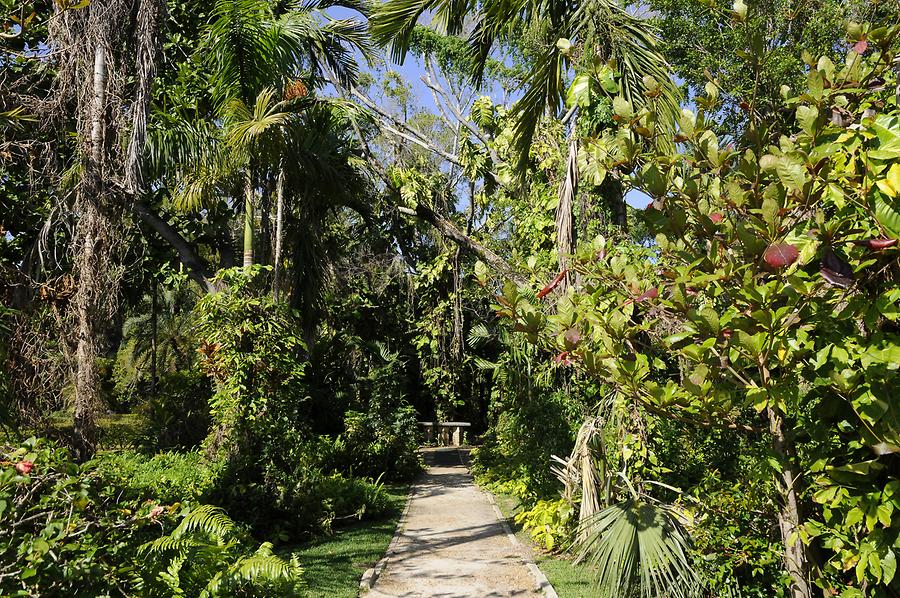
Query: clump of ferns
(206,555)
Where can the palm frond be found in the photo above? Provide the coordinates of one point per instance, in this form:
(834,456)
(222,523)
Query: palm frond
(638,545)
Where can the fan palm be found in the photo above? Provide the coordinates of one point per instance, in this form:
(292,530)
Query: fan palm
(592,29)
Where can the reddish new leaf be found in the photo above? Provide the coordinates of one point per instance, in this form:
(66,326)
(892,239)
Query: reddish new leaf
(562,359)
(24,467)
(716,217)
(861,46)
(650,294)
(877,244)
(780,255)
(555,283)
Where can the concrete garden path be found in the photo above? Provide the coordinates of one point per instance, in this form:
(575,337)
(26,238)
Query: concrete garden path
(451,543)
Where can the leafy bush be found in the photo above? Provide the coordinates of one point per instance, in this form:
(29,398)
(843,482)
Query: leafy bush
(550,523)
(206,555)
(178,415)
(374,445)
(167,477)
(99,529)
(63,533)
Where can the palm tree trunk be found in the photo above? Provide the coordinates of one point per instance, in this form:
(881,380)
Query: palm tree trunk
(565,208)
(154,329)
(248,219)
(84,425)
(279,231)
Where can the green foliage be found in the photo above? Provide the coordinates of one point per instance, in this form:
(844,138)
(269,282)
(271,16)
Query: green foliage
(770,289)
(549,523)
(165,477)
(252,351)
(177,416)
(639,546)
(205,556)
(65,533)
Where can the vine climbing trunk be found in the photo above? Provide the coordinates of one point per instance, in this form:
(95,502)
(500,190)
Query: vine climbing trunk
(796,555)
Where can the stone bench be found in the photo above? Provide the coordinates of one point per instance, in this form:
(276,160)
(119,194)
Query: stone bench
(445,433)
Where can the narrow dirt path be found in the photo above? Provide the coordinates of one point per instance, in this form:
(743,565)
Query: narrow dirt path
(452,543)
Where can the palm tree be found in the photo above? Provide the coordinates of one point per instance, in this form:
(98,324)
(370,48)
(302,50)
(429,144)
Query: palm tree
(256,54)
(571,32)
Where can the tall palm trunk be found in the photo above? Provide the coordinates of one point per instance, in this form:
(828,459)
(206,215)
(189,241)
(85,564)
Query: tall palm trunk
(279,231)
(84,425)
(248,219)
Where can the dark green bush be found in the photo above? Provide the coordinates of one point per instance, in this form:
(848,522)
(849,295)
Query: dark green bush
(375,445)
(177,416)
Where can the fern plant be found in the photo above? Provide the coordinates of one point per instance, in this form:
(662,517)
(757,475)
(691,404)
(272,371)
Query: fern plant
(206,556)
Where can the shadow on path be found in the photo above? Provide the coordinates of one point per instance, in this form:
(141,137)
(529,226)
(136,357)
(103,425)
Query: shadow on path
(452,543)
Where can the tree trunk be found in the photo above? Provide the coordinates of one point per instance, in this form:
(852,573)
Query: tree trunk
(84,425)
(279,231)
(248,219)
(154,329)
(564,208)
(796,555)
(616,198)
(86,384)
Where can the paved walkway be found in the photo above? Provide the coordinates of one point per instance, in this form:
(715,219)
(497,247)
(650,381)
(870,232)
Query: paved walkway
(452,545)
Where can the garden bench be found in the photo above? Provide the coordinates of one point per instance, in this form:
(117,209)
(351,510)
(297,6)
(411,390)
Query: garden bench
(445,433)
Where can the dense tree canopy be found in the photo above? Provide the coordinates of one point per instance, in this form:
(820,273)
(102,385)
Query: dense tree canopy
(243,252)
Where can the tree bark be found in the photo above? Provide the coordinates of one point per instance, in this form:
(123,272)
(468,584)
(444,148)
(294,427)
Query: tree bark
(84,425)
(279,230)
(565,209)
(248,219)
(796,555)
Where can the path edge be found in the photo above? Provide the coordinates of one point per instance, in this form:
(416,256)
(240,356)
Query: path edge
(540,579)
(372,574)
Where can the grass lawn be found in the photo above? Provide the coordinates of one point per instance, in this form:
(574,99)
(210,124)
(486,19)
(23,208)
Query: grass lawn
(332,566)
(568,579)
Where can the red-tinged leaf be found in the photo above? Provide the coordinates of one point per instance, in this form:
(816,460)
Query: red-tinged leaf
(861,46)
(877,244)
(562,359)
(24,467)
(744,106)
(726,333)
(650,294)
(716,217)
(555,283)
(780,255)
(572,337)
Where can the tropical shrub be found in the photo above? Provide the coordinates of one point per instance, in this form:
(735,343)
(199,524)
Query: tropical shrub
(767,305)
(64,534)
(550,523)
